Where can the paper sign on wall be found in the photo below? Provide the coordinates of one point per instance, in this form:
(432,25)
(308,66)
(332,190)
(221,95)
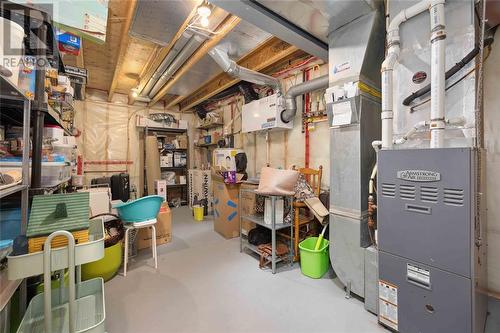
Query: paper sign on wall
(342,113)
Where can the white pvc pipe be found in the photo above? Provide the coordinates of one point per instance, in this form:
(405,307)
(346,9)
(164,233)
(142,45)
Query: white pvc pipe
(436,8)
(438,80)
(411,132)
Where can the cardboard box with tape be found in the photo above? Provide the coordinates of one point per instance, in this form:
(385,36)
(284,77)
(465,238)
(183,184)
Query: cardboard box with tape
(163,229)
(226,210)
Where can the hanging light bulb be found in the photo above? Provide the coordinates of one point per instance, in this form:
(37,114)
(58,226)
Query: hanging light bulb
(204,11)
(204,21)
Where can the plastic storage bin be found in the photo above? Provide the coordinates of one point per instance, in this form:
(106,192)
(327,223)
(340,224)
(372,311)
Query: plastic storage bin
(53,173)
(67,150)
(314,263)
(107,267)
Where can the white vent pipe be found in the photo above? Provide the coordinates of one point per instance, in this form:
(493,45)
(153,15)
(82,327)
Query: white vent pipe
(436,8)
(438,70)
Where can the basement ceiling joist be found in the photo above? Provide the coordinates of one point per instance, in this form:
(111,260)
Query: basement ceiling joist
(124,43)
(263,57)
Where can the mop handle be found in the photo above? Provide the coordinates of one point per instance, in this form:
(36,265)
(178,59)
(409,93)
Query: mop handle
(47,270)
(320,238)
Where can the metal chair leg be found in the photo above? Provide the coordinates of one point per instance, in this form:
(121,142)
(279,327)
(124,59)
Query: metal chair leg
(153,245)
(125,254)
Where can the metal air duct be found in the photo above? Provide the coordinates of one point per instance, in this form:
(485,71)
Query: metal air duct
(232,68)
(181,42)
(191,46)
(300,89)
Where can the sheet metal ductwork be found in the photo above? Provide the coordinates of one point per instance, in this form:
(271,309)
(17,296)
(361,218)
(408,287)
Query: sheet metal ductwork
(181,42)
(300,89)
(232,68)
(353,104)
(191,46)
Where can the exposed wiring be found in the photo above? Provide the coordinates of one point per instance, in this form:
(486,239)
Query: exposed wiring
(295,66)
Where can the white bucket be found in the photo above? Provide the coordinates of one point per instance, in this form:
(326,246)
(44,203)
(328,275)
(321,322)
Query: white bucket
(11,60)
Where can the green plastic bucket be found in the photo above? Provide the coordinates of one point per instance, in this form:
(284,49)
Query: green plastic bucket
(314,263)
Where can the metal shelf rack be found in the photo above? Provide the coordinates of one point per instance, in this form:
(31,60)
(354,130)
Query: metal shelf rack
(12,96)
(162,133)
(274,226)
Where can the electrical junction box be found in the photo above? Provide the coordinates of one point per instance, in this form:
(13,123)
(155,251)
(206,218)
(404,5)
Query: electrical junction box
(431,232)
(264,114)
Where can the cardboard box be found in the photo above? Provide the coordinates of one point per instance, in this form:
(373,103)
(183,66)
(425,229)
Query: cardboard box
(167,160)
(152,163)
(200,186)
(247,206)
(163,229)
(182,141)
(161,188)
(226,209)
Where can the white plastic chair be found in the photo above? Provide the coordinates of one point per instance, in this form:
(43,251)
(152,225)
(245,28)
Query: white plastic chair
(139,225)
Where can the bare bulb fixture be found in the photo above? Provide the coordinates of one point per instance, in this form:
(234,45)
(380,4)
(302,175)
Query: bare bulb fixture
(134,94)
(204,22)
(204,11)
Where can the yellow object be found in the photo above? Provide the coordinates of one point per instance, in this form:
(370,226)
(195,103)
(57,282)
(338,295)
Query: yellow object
(36,244)
(198,213)
(320,239)
(107,266)
(318,242)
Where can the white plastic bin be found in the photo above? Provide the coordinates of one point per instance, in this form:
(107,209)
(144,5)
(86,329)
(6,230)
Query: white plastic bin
(67,150)
(53,131)
(53,173)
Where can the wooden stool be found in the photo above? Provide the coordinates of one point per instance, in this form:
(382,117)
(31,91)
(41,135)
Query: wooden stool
(139,225)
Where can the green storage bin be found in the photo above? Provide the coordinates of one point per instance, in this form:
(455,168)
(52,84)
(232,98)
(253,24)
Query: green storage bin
(314,263)
(107,267)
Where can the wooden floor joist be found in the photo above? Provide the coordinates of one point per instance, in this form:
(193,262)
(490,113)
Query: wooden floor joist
(229,23)
(266,55)
(123,48)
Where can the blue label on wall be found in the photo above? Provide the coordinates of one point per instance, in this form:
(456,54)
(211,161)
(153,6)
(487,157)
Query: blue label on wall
(231,203)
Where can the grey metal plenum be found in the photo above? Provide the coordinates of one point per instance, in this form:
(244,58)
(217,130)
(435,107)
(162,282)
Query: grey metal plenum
(262,17)
(158,21)
(371,279)
(191,46)
(300,89)
(181,42)
(232,68)
(359,47)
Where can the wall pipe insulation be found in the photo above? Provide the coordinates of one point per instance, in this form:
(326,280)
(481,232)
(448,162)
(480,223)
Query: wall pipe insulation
(438,35)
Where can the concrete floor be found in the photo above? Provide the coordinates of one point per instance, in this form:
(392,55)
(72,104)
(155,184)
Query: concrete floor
(204,284)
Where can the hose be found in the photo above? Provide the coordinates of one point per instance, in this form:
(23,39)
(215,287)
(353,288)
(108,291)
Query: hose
(449,73)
